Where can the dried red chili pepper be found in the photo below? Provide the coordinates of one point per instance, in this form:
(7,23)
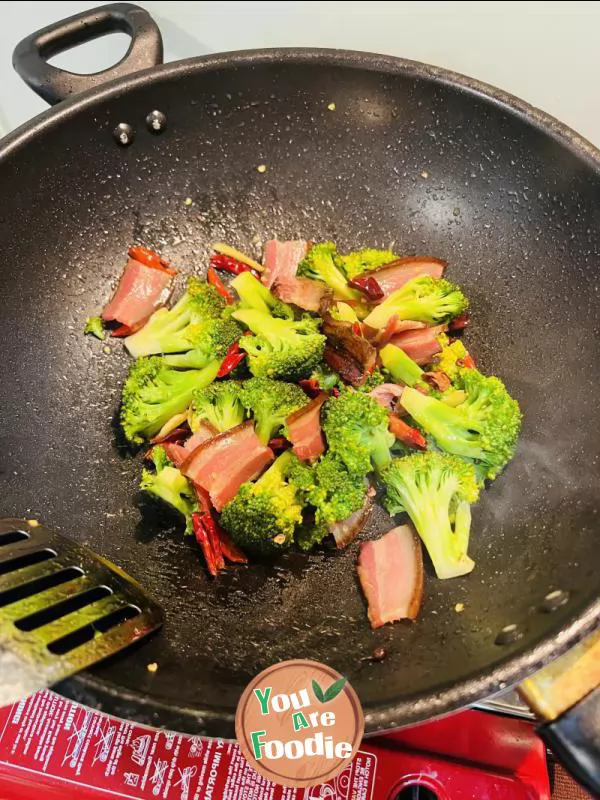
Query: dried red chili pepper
(467,362)
(223,545)
(232,358)
(357,329)
(459,323)
(213,538)
(229,264)
(310,386)
(230,550)
(121,330)
(202,538)
(369,287)
(203,498)
(410,436)
(214,280)
(279,443)
(150,259)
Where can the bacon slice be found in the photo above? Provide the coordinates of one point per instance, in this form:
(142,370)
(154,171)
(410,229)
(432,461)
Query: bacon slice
(141,291)
(421,345)
(390,570)
(175,453)
(221,464)
(394,275)
(346,352)
(203,434)
(386,394)
(281,259)
(302,292)
(394,326)
(347,530)
(304,429)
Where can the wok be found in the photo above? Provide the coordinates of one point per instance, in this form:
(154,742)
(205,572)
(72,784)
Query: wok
(412,157)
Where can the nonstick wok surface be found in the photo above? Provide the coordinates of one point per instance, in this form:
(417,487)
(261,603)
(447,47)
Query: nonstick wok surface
(408,160)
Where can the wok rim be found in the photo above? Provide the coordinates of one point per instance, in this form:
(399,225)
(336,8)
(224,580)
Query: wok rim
(509,670)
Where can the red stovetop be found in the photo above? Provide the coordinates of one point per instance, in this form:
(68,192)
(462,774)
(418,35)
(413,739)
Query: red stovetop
(52,749)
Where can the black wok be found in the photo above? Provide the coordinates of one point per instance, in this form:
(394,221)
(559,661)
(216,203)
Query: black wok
(412,156)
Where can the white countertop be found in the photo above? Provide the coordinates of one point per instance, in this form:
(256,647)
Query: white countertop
(544,52)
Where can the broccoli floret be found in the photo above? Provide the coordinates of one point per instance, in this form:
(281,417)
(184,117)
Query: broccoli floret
(484,427)
(451,353)
(169,485)
(167,329)
(436,491)
(326,377)
(209,340)
(253,294)
(376,378)
(218,404)
(270,403)
(400,366)
(320,265)
(360,261)
(154,392)
(95,326)
(281,348)
(423,299)
(356,428)
(333,493)
(263,516)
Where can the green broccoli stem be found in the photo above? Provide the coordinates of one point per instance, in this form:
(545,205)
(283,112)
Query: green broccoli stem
(182,399)
(380,454)
(451,427)
(193,359)
(400,366)
(447,548)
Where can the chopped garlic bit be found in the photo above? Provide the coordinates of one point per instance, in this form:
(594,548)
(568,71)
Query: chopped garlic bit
(331,106)
(279,539)
(459,607)
(152,667)
(33,523)
(188,201)
(261,168)
(424,174)
(106,349)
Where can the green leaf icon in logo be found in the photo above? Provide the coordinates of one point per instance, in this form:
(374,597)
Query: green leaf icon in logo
(318,691)
(330,693)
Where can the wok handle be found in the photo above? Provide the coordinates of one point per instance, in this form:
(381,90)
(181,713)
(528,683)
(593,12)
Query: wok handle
(566,696)
(30,57)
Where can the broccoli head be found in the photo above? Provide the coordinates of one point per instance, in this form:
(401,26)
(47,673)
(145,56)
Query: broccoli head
(423,299)
(263,516)
(271,402)
(95,326)
(326,377)
(167,329)
(166,483)
(332,491)
(356,428)
(446,360)
(365,260)
(253,294)
(209,340)
(376,378)
(281,348)
(154,392)
(436,490)
(319,264)
(483,427)
(218,404)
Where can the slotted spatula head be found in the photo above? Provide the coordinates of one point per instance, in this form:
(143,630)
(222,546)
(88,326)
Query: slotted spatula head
(62,609)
